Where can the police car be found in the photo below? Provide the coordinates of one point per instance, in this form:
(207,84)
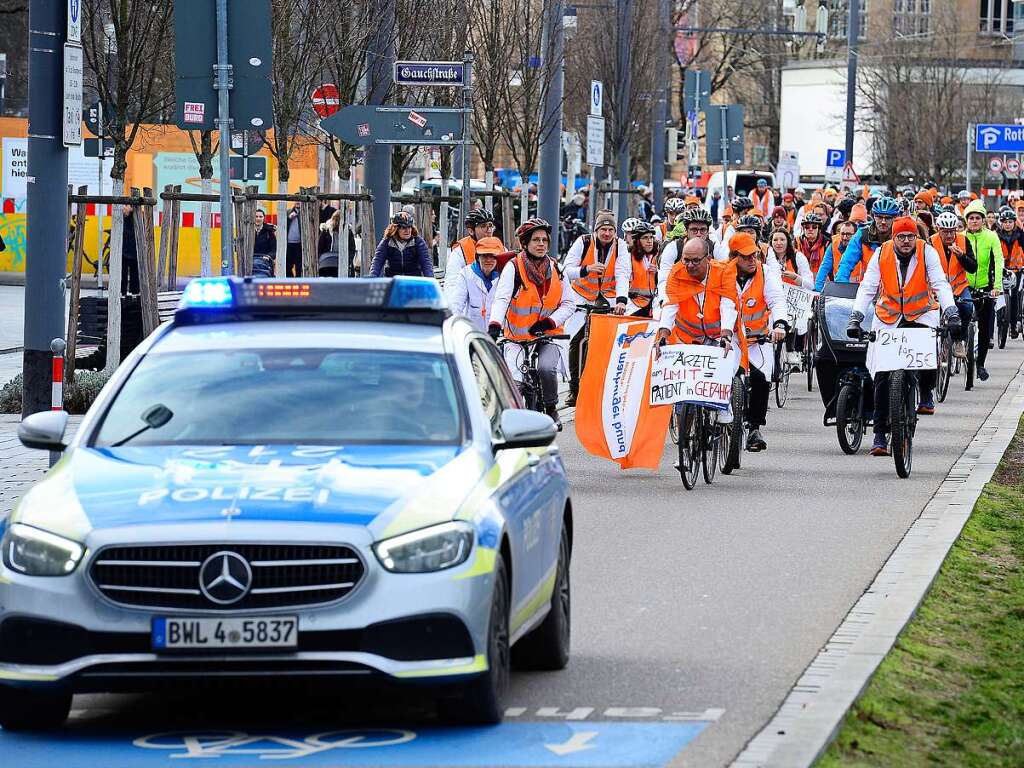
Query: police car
(298,479)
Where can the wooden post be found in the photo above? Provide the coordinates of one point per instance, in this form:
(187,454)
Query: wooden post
(309,227)
(165,236)
(142,217)
(508,223)
(78,248)
(172,244)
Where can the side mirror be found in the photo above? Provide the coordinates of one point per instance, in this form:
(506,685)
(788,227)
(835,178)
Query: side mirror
(44,431)
(522,428)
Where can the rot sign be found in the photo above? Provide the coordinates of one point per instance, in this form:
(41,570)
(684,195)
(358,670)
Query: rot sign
(326,100)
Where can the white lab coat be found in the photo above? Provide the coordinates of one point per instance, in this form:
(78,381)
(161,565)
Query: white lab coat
(503,297)
(803,268)
(469,297)
(867,292)
(669,258)
(762,356)
(456,263)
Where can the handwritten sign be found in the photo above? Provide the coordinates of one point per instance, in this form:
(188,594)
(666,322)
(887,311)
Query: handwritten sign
(692,373)
(798,303)
(902,349)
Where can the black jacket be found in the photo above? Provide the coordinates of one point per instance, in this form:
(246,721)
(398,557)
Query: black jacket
(266,240)
(129,252)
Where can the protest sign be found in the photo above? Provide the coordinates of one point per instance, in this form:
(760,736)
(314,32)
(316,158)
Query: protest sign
(798,304)
(693,373)
(902,349)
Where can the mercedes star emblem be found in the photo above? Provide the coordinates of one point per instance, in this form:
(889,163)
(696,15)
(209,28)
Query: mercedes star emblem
(225,578)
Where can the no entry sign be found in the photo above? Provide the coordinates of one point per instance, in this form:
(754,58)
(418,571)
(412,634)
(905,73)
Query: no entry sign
(326,100)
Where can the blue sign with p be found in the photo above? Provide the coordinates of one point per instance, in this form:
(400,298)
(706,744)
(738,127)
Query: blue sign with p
(835,158)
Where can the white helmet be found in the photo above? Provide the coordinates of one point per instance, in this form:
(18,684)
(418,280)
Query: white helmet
(675,205)
(947,220)
(631,224)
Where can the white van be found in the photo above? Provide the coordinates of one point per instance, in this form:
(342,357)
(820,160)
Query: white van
(742,182)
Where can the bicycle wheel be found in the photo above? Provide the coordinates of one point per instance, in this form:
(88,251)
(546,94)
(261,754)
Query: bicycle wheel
(1003,326)
(689,446)
(944,371)
(724,448)
(673,430)
(849,422)
(810,344)
(782,387)
(735,430)
(901,413)
(710,446)
(972,331)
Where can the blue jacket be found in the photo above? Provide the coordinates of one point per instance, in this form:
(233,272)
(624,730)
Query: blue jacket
(851,258)
(414,260)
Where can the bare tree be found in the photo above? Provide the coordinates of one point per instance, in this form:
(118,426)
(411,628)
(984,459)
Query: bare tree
(128,61)
(489,35)
(298,28)
(204,147)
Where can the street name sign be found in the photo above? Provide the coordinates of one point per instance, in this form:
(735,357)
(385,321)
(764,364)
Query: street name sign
(364,124)
(446,73)
(999,138)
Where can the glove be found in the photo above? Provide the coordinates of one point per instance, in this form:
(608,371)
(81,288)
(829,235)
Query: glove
(853,329)
(542,326)
(952,318)
(494,331)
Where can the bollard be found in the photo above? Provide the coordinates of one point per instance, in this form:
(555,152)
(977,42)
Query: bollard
(57,347)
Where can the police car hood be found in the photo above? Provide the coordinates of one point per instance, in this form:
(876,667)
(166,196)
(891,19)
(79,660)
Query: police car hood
(387,488)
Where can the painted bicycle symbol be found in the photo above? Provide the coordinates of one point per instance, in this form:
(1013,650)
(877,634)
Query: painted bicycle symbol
(206,744)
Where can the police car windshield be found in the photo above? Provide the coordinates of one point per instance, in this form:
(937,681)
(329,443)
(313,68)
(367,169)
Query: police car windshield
(291,396)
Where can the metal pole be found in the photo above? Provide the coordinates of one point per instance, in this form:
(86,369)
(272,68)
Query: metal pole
(467,146)
(377,170)
(47,202)
(658,148)
(625,39)
(99,208)
(852,43)
(550,176)
(223,87)
(723,111)
(970,153)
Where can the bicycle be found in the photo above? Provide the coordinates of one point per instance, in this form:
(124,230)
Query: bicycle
(810,344)
(85,254)
(944,372)
(699,442)
(530,386)
(1003,313)
(733,443)
(780,374)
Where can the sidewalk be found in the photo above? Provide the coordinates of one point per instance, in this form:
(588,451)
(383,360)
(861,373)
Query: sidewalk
(20,466)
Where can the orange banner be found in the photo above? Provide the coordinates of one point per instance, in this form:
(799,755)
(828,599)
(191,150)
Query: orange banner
(614,417)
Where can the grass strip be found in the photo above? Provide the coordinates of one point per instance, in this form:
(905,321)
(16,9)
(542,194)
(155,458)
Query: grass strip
(951,691)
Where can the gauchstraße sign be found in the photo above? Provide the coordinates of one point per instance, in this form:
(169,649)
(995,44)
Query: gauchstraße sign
(452,73)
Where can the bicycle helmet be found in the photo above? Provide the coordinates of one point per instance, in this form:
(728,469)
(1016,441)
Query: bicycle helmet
(814,220)
(740,204)
(402,219)
(1006,214)
(697,216)
(642,228)
(656,219)
(886,206)
(631,224)
(528,227)
(947,220)
(675,205)
(478,217)
(750,222)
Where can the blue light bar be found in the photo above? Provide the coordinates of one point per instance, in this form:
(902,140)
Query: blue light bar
(210,292)
(416,293)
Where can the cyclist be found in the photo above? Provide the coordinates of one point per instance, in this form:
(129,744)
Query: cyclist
(869,239)
(479,224)
(779,218)
(628,227)
(701,303)
(792,268)
(963,199)
(790,208)
(644,264)
(473,288)
(674,207)
(845,230)
(696,223)
(906,276)
(762,306)
(958,260)
(813,241)
(598,269)
(741,206)
(533,299)
(1012,239)
(987,280)
(763,199)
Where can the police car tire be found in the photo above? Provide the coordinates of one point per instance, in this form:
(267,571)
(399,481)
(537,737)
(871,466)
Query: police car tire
(24,709)
(547,647)
(481,700)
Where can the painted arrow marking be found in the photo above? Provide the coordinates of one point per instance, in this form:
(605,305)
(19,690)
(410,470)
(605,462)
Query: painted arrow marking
(576,743)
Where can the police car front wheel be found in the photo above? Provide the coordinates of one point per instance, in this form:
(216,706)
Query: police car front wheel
(27,709)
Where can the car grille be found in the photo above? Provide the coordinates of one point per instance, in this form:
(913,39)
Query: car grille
(283,575)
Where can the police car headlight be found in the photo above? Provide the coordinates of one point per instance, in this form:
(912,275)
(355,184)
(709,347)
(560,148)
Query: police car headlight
(35,552)
(431,549)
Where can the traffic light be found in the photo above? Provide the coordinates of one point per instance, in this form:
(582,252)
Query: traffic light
(671,144)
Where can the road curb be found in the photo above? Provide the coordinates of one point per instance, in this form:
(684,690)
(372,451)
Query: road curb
(811,715)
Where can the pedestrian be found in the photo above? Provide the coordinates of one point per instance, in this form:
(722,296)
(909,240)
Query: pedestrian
(293,255)
(326,211)
(129,255)
(716,204)
(645,210)
(264,246)
(401,251)
(328,248)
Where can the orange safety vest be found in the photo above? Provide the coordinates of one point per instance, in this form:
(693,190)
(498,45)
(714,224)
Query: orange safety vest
(951,264)
(761,202)
(837,255)
(1012,258)
(643,280)
(698,323)
(754,312)
(528,307)
(866,254)
(783,266)
(814,255)
(590,286)
(910,300)
(468,246)
(664,230)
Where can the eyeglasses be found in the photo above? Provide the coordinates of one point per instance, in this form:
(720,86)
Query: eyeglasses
(697,230)
(905,237)
(693,262)
(540,239)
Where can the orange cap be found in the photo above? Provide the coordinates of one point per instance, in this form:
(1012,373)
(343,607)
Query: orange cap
(858,213)
(904,224)
(743,243)
(490,245)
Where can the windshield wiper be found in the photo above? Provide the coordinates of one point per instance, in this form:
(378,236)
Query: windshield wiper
(155,417)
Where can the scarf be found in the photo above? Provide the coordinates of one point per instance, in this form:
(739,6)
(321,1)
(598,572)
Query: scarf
(488,279)
(536,274)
